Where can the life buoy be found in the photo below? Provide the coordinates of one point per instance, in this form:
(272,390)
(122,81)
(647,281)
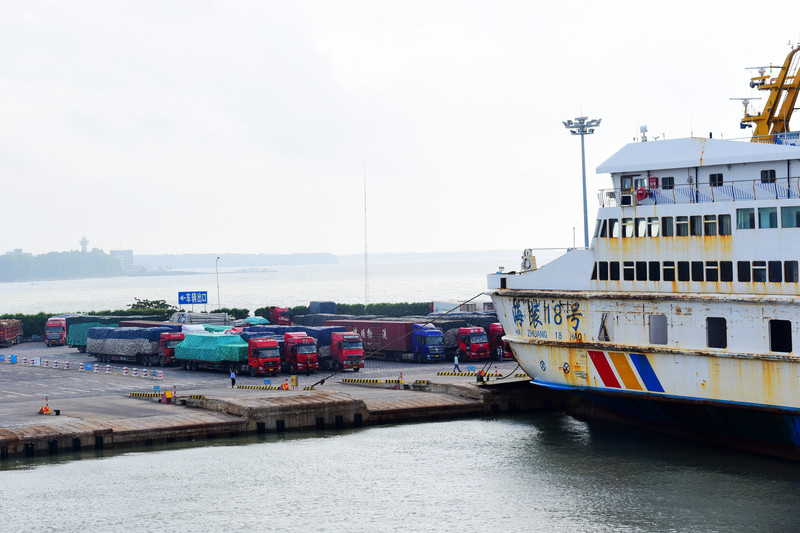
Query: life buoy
(641,193)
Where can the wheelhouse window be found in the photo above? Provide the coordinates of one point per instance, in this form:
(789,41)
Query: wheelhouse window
(603,228)
(768,176)
(745,218)
(667,229)
(767,217)
(696,225)
(743,270)
(597,227)
(709,224)
(603,270)
(667,183)
(790,216)
(613,270)
(790,271)
(652,226)
(641,270)
(613,228)
(627,227)
(697,270)
(628,270)
(669,270)
(712,271)
(715,180)
(760,271)
(683,270)
(780,336)
(658,329)
(641,227)
(724,224)
(716,332)
(682,226)
(775,271)
(726,271)
(655,271)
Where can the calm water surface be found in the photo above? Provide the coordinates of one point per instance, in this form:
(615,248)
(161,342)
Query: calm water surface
(546,472)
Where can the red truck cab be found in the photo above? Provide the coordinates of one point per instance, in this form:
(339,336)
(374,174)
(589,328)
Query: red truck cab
(299,353)
(55,331)
(500,349)
(280,316)
(473,344)
(166,347)
(347,350)
(263,356)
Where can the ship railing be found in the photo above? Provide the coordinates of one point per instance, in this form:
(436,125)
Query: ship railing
(787,139)
(751,189)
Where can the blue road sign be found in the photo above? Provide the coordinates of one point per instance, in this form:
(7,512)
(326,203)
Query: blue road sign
(193,297)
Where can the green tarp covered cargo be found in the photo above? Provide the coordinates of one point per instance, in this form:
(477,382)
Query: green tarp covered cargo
(209,347)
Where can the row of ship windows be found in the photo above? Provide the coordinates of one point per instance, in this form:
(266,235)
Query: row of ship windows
(780,333)
(697,225)
(746,271)
(668,182)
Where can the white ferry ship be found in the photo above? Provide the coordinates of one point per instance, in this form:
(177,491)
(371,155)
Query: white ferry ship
(683,315)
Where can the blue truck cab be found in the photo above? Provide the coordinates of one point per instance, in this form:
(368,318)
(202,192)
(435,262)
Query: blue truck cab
(427,344)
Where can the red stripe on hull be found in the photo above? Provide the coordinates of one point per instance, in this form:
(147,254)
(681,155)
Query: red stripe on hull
(603,368)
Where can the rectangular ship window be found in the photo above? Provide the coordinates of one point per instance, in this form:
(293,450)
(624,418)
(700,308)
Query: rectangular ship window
(641,227)
(767,217)
(594,271)
(768,176)
(658,329)
(724,224)
(712,271)
(745,218)
(669,270)
(790,271)
(696,225)
(652,226)
(760,271)
(597,227)
(775,271)
(790,216)
(613,270)
(641,270)
(655,271)
(709,224)
(603,270)
(613,228)
(627,270)
(715,180)
(780,336)
(716,332)
(682,226)
(627,227)
(667,183)
(667,229)
(604,229)
(726,271)
(743,268)
(697,271)
(683,270)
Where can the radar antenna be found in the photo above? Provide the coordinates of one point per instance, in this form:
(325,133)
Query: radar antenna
(783,90)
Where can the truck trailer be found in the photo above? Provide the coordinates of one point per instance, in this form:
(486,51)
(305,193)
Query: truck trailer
(215,351)
(142,346)
(338,348)
(397,340)
(10,331)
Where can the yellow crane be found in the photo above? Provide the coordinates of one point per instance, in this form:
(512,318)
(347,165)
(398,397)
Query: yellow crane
(783,90)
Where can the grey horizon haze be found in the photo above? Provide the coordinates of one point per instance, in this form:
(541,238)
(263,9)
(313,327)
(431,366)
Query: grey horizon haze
(247,127)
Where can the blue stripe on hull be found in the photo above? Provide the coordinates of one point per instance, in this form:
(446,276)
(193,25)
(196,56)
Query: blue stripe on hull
(646,372)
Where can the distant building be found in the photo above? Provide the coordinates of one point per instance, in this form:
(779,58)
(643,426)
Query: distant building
(125,258)
(84,243)
(15,251)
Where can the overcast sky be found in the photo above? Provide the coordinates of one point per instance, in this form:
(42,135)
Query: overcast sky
(221,127)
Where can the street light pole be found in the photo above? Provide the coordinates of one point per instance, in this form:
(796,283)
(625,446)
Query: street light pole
(583,126)
(219,305)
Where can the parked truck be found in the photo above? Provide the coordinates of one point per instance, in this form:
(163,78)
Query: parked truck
(141,346)
(397,340)
(499,348)
(218,319)
(215,351)
(338,348)
(55,331)
(280,316)
(10,331)
(299,353)
(473,344)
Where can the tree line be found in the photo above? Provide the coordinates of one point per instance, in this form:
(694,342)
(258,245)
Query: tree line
(59,265)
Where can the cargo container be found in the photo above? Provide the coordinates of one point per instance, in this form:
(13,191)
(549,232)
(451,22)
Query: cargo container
(142,346)
(10,331)
(397,340)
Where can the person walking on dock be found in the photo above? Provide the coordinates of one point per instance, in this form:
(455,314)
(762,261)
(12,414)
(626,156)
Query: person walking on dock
(233,378)
(455,364)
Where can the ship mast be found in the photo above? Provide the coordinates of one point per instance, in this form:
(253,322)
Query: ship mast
(783,90)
